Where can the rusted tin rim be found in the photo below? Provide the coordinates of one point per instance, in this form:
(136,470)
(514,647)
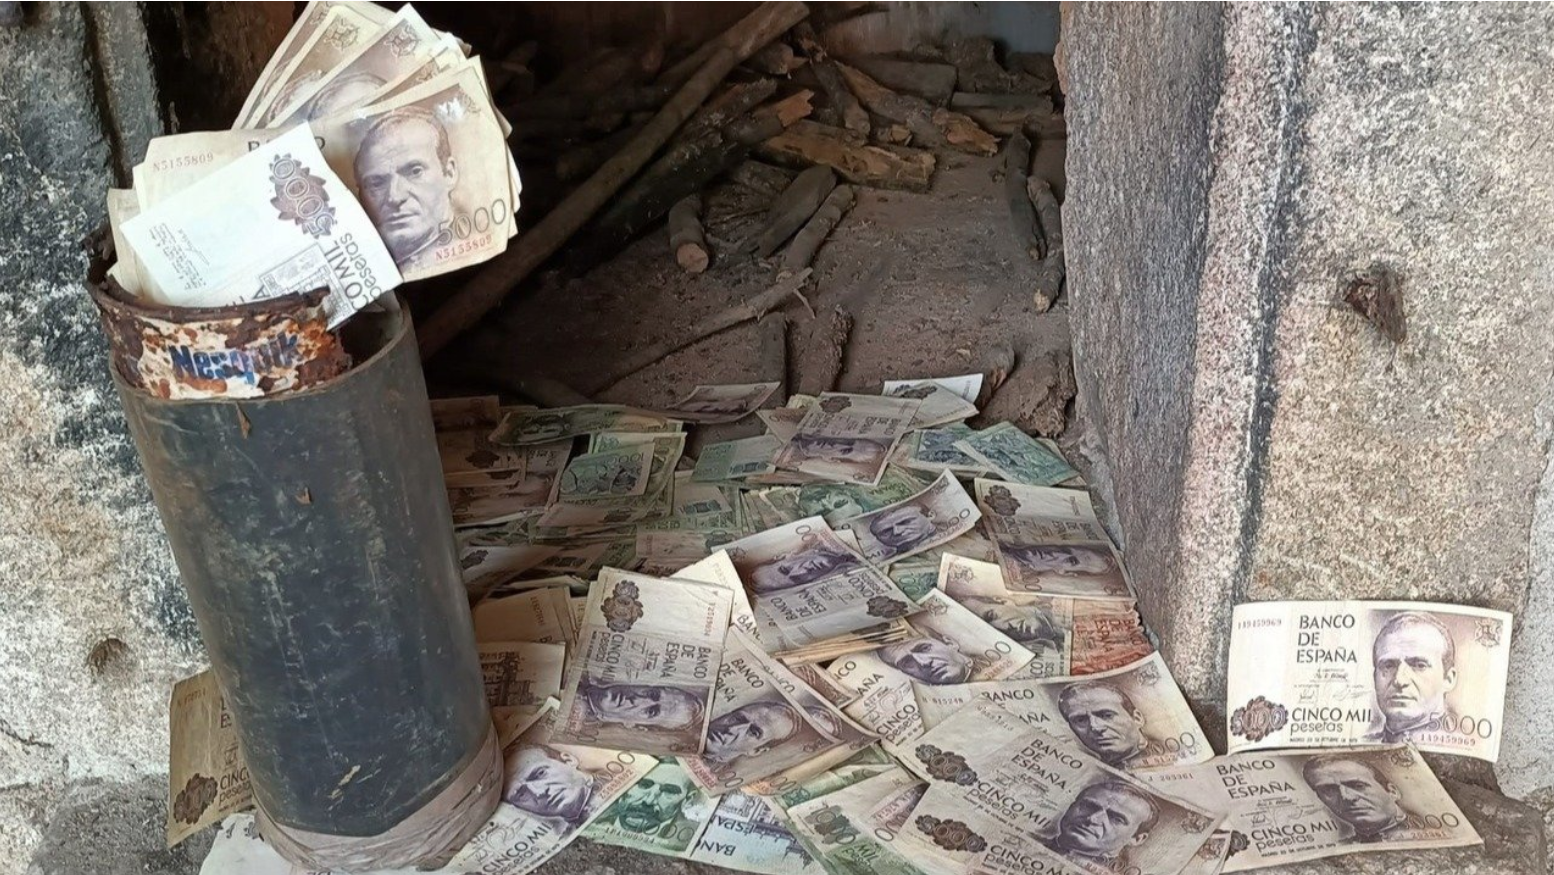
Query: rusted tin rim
(112,296)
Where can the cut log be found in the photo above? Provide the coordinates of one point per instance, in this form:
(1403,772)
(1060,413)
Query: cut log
(771,357)
(976,64)
(750,310)
(762,178)
(1049,215)
(686,239)
(794,206)
(777,59)
(934,83)
(801,252)
(1024,232)
(933,125)
(889,133)
(853,157)
(819,364)
(853,116)
(488,287)
(1003,114)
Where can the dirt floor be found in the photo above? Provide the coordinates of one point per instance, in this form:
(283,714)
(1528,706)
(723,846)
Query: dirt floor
(933,281)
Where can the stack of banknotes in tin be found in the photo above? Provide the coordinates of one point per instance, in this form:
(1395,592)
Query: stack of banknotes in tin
(368,154)
(875,639)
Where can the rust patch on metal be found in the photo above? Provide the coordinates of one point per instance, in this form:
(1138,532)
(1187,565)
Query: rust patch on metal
(241,351)
(1377,295)
(242,422)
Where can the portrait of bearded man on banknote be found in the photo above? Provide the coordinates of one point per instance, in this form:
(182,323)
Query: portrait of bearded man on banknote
(1414,668)
(799,568)
(660,708)
(1107,722)
(549,784)
(929,660)
(1030,626)
(1032,565)
(1103,824)
(1365,802)
(653,805)
(407,174)
(750,729)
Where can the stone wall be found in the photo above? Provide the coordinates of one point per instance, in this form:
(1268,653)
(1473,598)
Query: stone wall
(1229,167)
(94,628)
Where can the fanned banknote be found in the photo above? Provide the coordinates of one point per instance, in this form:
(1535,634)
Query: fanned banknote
(299,225)
(405,43)
(324,34)
(1016,456)
(1069,636)
(1306,805)
(1335,674)
(938,514)
(520,427)
(551,793)
(1131,718)
(848,437)
(1008,791)
(646,664)
(1050,542)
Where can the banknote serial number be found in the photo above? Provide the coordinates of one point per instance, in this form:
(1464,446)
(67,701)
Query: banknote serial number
(180,161)
(1261,623)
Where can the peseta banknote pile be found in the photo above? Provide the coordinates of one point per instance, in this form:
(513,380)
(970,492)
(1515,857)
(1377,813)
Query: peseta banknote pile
(876,640)
(367,154)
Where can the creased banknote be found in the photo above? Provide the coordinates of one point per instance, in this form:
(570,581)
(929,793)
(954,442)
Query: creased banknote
(521,674)
(431,169)
(1306,805)
(848,437)
(833,826)
(736,459)
(808,585)
(940,405)
(535,615)
(1335,674)
(663,813)
(207,778)
(539,426)
(655,502)
(551,793)
(1050,542)
(1131,718)
(782,422)
(723,403)
(1015,456)
(938,514)
(516,494)
(1069,636)
(470,459)
(967,386)
(617,473)
(837,502)
(750,834)
(933,449)
(405,43)
(273,222)
(646,664)
(325,34)
(764,721)
(1008,794)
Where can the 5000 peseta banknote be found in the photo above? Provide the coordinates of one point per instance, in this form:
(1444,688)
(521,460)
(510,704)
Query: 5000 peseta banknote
(1333,674)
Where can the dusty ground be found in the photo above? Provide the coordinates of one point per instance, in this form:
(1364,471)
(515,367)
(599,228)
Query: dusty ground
(931,280)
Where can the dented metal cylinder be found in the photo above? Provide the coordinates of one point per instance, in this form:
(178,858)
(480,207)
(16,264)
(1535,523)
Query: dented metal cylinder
(312,532)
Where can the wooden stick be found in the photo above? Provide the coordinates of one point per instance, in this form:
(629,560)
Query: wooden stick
(854,117)
(762,178)
(925,120)
(487,288)
(1050,273)
(1024,232)
(686,239)
(853,157)
(820,363)
(794,206)
(750,310)
(772,355)
(775,60)
(801,252)
(932,82)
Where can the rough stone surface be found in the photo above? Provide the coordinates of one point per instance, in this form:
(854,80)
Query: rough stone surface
(82,555)
(1229,167)
(115,829)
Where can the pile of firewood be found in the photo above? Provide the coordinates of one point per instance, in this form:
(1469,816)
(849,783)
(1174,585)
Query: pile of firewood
(623,139)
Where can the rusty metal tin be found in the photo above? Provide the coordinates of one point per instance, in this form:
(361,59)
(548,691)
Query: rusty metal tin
(243,351)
